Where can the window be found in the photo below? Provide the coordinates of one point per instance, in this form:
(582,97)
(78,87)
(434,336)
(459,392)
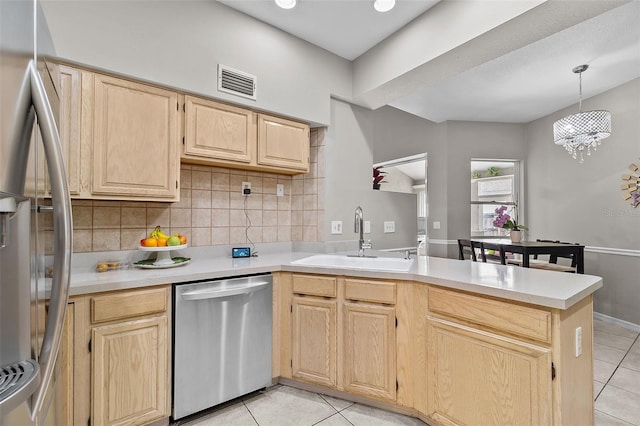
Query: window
(494,183)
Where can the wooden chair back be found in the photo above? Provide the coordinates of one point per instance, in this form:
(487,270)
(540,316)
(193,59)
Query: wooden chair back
(478,249)
(466,251)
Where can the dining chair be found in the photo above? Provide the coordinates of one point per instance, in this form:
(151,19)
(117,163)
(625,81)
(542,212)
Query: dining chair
(478,250)
(552,263)
(466,250)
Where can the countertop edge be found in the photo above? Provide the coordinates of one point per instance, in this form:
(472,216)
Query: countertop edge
(84,283)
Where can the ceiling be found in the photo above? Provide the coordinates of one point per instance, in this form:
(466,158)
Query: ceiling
(519,86)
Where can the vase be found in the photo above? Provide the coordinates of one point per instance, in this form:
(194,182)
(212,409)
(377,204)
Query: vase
(516,236)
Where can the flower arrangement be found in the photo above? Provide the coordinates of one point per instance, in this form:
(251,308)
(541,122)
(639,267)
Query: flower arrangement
(505,221)
(378,175)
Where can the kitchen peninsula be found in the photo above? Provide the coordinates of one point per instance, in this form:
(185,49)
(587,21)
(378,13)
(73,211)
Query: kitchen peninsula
(449,341)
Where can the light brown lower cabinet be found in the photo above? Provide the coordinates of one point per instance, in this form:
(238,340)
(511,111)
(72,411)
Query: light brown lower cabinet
(314,340)
(340,337)
(129,374)
(370,351)
(479,378)
(122,353)
(446,356)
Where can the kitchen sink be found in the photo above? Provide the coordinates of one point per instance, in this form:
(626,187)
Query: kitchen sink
(393,264)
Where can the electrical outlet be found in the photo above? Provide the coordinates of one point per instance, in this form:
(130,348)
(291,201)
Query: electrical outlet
(336,227)
(389,226)
(578,341)
(367,226)
(436,225)
(280,190)
(245,185)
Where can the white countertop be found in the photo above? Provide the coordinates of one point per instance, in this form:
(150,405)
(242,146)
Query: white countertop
(545,288)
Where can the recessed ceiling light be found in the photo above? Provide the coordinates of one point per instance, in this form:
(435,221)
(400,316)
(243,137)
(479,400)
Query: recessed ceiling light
(289,4)
(383,5)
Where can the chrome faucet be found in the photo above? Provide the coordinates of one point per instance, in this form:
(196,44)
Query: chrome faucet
(358,226)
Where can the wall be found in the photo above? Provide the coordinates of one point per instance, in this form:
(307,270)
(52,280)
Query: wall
(467,140)
(348,184)
(180,44)
(450,147)
(583,202)
(211,210)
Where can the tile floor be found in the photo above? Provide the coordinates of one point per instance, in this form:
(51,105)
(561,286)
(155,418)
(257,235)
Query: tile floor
(616,374)
(616,394)
(286,406)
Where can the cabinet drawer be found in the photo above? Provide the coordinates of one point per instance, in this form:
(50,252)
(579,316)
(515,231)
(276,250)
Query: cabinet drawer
(514,319)
(128,304)
(315,285)
(370,291)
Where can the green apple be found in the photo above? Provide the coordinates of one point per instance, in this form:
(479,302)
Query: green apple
(173,241)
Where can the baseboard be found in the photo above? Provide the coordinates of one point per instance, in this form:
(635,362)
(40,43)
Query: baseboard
(622,323)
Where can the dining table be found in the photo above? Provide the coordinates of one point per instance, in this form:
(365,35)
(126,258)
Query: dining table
(533,248)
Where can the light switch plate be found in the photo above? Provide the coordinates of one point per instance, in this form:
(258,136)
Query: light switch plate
(389,226)
(280,190)
(336,227)
(367,226)
(436,225)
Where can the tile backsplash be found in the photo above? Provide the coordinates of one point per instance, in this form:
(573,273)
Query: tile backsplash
(212,210)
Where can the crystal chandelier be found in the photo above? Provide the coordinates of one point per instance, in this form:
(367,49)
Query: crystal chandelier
(583,130)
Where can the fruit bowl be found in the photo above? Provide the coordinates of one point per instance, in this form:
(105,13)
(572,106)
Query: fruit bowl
(165,248)
(163,260)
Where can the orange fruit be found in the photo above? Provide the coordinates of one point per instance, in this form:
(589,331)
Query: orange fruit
(162,242)
(150,242)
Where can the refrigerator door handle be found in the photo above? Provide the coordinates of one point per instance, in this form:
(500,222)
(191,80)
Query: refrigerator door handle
(62,224)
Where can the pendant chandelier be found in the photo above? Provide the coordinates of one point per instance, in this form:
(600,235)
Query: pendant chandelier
(584,130)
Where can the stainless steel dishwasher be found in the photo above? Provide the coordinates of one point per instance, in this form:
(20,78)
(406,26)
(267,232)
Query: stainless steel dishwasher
(221,341)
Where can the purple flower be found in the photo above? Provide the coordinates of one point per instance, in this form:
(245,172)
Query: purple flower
(503,220)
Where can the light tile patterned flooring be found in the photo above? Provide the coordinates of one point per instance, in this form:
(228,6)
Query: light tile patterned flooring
(616,373)
(616,393)
(286,406)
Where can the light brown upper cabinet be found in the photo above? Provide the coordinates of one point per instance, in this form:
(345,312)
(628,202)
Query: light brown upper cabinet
(224,135)
(134,129)
(219,131)
(70,124)
(283,143)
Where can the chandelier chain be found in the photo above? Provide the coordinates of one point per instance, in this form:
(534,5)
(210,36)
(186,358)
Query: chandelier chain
(580,104)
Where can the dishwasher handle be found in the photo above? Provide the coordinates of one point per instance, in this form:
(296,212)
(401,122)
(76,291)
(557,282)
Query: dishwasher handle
(217,294)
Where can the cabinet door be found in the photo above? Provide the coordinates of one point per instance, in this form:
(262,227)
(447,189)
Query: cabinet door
(130,370)
(135,140)
(314,340)
(218,131)
(70,97)
(478,378)
(283,143)
(370,351)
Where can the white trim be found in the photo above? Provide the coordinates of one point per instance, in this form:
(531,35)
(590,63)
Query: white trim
(611,320)
(589,249)
(612,250)
(443,242)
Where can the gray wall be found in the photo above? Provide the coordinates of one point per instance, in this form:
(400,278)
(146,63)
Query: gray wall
(180,43)
(467,140)
(450,147)
(348,184)
(583,202)
(358,137)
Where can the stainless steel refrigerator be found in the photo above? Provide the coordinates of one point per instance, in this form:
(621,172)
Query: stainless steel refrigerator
(33,196)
